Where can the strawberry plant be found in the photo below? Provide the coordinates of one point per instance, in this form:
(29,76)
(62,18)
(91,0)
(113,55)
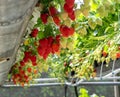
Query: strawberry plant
(68,36)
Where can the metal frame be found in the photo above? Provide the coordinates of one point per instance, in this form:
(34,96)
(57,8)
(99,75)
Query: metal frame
(108,79)
(112,77)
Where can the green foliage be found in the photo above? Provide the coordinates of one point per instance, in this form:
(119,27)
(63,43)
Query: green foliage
(84,93)
(92,32)
(97,23)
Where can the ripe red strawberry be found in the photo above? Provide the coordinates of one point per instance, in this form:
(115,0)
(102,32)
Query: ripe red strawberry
(22,63)
(104,54)
(29,69)
(61,28)
(41,50)
(119,48)
(72,15)
(117,55)
(43,42)
(47,52)
(33,59)
(34,32)
(65,64)
(71,31)
(35,71)
(45,56)
(22,72)
(70,3)
(22,84)
(50,40)
(52,10)
(64,30)
(95,70)
(44,17)
(58,38)
(27,56)
(67,8)
(44,48)
(25,77)
(56,20)
(14,81)
(55,47)
(20,67)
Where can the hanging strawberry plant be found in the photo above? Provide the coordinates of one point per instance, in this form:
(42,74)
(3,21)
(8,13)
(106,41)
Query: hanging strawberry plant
(68,36)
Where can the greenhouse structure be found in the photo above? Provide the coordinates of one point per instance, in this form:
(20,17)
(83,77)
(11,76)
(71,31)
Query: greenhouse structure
(59,48)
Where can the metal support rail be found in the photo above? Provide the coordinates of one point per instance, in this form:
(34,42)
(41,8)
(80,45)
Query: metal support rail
(34,85)
(107,79)
(61,84)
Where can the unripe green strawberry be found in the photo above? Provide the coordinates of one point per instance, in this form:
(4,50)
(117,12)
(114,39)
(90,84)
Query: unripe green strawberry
(92,23)
(112,9)
(101,11)
(82,7)
(107,60)
(117,1)
(63,42)
(101,8)
(99,21)
(70,44)
(105,13)
(63,15)
(50,19)
(112,43)
(85,12)
(67,22)
(45,68)
(82,31)
(113,56)
(39,67)
(106,48)
(103,59)
(88,7)
(86,2)
(107,3)
(77,13)
(76,26)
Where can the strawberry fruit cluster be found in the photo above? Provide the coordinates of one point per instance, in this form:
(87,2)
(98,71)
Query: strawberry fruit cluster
(48,45)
